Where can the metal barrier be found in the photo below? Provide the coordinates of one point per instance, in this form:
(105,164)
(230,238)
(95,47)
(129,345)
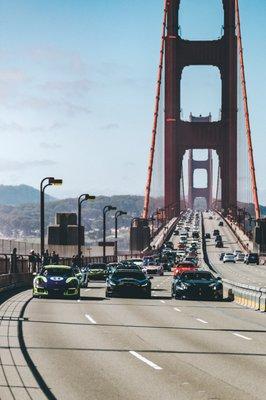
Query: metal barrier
(245,295)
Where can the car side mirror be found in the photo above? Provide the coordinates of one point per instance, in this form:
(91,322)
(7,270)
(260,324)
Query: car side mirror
(150,277)
(219,278)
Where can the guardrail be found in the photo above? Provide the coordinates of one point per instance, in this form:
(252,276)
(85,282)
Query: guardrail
(246,295)
(12,281)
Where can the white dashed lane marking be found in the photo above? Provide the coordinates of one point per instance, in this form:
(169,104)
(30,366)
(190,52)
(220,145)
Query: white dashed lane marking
(90,318)
(201,320)
(145,360)
(242,336)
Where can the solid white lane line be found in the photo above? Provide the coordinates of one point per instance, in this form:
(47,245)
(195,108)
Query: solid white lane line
(87,290)
(90,318)
(201,320)
(162,301)
(177,309)
(145,360)
(242,336)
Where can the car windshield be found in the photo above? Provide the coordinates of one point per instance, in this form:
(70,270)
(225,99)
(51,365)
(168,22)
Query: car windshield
(122,275)
(97,266)
(150,261)
(203,276)
(57,272)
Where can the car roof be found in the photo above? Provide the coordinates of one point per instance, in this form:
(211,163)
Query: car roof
(57,266)
(196,272)
(127,270)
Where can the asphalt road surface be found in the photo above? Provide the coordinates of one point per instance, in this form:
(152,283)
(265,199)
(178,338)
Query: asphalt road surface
(122,348)
(238,272)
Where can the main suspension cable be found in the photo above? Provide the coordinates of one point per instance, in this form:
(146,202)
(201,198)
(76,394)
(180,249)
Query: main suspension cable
(246,111)
(155,118)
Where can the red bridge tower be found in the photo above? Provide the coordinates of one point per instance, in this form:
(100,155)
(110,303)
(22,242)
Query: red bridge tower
(181,135)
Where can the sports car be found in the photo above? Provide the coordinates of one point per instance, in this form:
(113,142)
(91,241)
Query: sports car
(97,271)
(197,284)
(56,281)
(129,283)
(184,266)
(153,268)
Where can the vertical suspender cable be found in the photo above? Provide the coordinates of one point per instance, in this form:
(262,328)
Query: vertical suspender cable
(183,189)
(155,119)
(246,110)
(217,187)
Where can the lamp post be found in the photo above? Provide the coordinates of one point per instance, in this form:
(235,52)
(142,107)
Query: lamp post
(83,197)
(105,211)
(50,182)
(117,214)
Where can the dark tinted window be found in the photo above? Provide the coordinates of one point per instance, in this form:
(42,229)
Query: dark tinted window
(97,266)
(57,272)
(203,276)
(134,275)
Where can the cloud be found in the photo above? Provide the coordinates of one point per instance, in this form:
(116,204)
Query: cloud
(110,126)
(11,127)
(12,76)
(40,104)
(57,58)
(50,146)
(69,88)
(12,165)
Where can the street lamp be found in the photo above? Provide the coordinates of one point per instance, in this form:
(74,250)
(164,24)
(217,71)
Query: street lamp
(83,197)
(117,214)
(50,182)
(105,211)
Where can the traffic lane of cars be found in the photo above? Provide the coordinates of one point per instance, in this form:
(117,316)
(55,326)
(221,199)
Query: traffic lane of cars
(153,333)
(240,272)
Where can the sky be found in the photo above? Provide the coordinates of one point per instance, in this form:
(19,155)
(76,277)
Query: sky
(77,87)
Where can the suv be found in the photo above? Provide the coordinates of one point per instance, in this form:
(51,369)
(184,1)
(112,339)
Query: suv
(252,258)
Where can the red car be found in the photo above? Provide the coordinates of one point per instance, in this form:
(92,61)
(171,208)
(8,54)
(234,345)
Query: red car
(183,267)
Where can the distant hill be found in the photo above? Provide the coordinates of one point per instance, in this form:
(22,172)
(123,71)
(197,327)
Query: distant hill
(23,219)
(20,194)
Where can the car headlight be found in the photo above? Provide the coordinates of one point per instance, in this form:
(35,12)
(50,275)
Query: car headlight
(72,283)
(184,286)
(39,282)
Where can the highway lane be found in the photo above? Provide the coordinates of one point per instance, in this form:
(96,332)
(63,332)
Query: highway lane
(238,272)
(124,348)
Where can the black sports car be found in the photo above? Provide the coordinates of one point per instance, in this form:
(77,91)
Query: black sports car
(197,284)
(128,283)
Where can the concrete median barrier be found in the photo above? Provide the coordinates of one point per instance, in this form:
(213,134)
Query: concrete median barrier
(245,295)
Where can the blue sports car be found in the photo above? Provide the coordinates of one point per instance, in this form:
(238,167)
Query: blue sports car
(56,281)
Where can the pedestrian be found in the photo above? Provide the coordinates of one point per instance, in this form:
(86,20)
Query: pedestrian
(32,261)
(14,261)
(54,258)
(46,258)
